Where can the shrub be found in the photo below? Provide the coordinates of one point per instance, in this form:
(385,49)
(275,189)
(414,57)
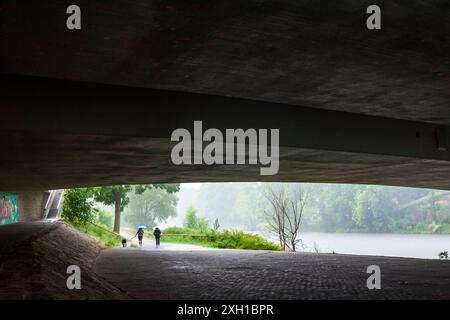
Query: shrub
(109,238)
(443,255)
(224,239)
(78,206)
(105,218)
(193,221)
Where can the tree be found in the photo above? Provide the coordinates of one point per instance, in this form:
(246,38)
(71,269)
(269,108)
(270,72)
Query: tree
(274,216)
(284,217)
(105,217)
(373,210)
(294,216)
(78,206)
(193,221)
(150,208)
(118,196)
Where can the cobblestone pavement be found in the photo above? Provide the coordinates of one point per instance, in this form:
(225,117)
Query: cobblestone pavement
(236,274)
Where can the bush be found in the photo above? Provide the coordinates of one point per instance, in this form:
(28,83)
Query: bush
(220,239)
(443,229)
(78,206)
(242,240)
(105,218)
(109,238)
(179,230)
(193,221)
(443,255)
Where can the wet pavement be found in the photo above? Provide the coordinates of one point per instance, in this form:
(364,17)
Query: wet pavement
(247,274)
(150,244)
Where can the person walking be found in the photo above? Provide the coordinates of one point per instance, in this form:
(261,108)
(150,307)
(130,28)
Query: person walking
(157,234)
(140,235)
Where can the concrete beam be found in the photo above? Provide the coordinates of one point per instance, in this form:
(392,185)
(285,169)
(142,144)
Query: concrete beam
(63,134)
(58,106)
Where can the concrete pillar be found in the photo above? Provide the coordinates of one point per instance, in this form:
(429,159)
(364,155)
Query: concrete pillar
(31,205)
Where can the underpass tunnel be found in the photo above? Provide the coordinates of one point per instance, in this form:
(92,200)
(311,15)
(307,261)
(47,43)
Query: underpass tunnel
(149,92)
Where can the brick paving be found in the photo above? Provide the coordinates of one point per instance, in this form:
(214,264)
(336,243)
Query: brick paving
(236,274)
(34,258)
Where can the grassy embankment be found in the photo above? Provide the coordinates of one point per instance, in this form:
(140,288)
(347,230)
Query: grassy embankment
(217,239)
(101,233)
(431,228)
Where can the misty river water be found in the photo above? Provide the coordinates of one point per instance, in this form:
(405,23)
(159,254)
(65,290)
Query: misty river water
(425,246)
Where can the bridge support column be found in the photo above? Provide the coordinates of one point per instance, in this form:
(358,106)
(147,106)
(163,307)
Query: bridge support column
(31,205)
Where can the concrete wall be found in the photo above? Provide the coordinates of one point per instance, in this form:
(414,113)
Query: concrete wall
(31,205)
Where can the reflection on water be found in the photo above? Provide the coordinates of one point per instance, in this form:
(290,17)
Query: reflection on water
(425,246)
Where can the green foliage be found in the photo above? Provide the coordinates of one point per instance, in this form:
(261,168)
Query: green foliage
(78,206)
(169,187)
(372,209)
(181,230)
(219,239)
(241,240)
(331,207)
(193,221)
(443,229)
(443,255)
(152,207)
(108,238)
(118,196)
(109,195)
(105,218)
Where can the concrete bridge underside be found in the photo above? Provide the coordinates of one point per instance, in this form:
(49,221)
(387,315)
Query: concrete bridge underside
(64,134)
(97,106)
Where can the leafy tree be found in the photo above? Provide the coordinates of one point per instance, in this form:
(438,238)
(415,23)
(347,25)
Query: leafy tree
(193,221)
(105,217)
(373,209)
(331,207)
(150,208)
(118,196)
(78,206)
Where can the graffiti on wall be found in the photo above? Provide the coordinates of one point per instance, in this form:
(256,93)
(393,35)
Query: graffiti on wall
(9,212)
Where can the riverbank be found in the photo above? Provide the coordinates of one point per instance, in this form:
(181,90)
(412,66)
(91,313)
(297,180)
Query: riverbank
(422,246)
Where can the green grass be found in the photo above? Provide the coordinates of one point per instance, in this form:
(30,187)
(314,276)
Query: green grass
(423,228)
(108,238)
(443,229)
(219,239)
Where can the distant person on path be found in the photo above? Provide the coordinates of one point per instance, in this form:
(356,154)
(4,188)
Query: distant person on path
(140,235)
(157,234)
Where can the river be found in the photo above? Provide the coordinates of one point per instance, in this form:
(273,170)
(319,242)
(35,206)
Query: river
(425,246)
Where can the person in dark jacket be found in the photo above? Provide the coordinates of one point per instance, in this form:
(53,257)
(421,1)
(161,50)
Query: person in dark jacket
(157,234)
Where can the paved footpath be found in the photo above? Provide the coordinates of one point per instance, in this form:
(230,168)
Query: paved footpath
(239,274)
(149,244)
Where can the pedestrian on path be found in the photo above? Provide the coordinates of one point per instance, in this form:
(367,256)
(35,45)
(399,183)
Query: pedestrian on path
(140,235)
(157,234)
